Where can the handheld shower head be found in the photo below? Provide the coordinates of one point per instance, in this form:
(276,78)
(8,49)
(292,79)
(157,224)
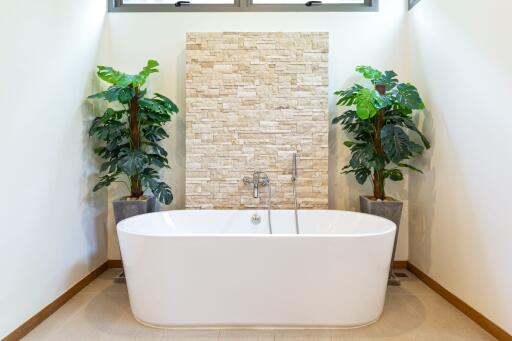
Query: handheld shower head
(294,167)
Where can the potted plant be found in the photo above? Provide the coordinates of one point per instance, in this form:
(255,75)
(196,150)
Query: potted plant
(129,134)
(380,145)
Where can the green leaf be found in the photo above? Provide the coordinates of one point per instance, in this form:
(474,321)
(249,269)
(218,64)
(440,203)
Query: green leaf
(114,77)
(125,95)
(111,114)
(105,181)
(154,133)
(410,167)
(412,126)
(166,102)
(407,95)
(397,117)
(395,143)
(152,64)
(132,162)
(157,160)
(148,175)
(110,165)
(365,103)
(362,154)
(151,105)
(107,131)
(110,95)
(348,97)
(381,101)
(394,174)
(162,192)
(369,72)
(362,175)
(157,149)
(337,120)
(377,162)
(108,74)
(151,67)
(388,79)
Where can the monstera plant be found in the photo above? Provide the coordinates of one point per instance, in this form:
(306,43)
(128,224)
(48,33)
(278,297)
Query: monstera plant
(378,125)
(129,133)
(378,120)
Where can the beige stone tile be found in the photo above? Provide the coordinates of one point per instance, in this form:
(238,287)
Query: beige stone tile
(243,101)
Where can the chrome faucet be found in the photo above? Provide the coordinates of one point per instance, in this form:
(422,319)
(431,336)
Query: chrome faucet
(258,179)
(261,179)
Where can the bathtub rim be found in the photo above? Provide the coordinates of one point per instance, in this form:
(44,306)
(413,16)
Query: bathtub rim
(386,230)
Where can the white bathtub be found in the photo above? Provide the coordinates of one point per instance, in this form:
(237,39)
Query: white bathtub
(214,268)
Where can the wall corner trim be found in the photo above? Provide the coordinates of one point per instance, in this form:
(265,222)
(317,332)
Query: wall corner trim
(44,313)
(491,327)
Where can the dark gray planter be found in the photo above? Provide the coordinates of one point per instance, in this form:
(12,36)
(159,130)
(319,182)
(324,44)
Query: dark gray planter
(126,208)
(391,210)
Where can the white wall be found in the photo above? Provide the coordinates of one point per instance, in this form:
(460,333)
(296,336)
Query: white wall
(461,231)
(355,38)
(52,227)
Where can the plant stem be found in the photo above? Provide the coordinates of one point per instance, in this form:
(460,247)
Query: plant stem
(133,109)
(378,174)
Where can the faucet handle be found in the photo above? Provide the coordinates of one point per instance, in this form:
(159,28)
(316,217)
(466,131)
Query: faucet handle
(264,180)
(247,180)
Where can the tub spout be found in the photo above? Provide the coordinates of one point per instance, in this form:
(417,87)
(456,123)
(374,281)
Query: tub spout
(258,179)
(255,193)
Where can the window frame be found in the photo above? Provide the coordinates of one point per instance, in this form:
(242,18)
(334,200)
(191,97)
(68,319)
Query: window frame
(413,3)
(243,6)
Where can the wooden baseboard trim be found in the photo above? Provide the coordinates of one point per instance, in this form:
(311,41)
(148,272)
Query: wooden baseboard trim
(35,320)
(467,310)
(400,264)
(114,263)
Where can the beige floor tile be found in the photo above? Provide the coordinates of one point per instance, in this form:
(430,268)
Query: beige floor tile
(127,328)
(104,283)
(53,323)
(246,335)
(190,335)
(442,318)
(303,335)
(410,285)
(96,320)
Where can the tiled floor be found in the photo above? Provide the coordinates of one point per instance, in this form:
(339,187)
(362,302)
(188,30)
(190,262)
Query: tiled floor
(102,312)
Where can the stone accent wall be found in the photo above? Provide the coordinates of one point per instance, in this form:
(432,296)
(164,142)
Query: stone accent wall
(252,100)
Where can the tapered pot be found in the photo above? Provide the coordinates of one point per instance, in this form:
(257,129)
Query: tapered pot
(390,209)
(125,208)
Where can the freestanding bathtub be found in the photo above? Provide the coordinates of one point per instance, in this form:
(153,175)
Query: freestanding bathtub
(217,268)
